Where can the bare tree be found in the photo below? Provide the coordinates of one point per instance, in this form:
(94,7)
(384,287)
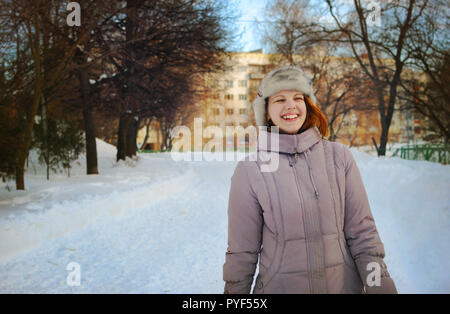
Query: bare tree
(291,27)
(426,86)
(380,50)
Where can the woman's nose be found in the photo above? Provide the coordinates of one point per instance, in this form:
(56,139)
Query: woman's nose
(290,104)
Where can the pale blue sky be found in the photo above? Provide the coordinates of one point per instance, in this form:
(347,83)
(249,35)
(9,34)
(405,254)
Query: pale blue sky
(249,10)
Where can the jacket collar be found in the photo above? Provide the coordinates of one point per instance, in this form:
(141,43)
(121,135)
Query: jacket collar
(288,143)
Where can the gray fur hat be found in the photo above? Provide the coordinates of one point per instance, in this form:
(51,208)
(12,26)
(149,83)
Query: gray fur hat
(286,77)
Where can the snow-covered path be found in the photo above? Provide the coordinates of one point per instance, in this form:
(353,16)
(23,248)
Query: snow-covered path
(161,226)
(171,245)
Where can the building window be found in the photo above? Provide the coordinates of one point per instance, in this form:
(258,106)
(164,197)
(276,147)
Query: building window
(230,111)
(242,97)
(216,111)
(242,68)
(229,97)
(242,111)
(228,83)
(243,83)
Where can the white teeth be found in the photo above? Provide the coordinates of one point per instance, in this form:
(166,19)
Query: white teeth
(291,116)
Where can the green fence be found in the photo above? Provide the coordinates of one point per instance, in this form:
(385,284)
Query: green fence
(429,152)
(149,151)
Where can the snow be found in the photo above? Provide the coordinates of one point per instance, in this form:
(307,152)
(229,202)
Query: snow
(154,225)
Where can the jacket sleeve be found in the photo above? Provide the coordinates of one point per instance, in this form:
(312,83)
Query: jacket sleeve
(245,222)
(361,233)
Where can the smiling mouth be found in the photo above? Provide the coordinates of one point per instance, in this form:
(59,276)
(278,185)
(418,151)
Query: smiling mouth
(290,117)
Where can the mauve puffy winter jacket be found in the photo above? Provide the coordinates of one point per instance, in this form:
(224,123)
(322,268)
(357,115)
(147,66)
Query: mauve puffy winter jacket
(309,222)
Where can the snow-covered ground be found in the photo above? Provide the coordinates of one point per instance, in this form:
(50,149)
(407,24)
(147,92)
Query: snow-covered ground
(153,225)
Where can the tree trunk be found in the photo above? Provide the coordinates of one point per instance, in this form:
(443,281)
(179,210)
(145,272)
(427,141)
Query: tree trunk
(45,136)
(162,128)
(20,182)
(89,126)
(26,143)
(127,137)
(45,139)
(147,128)
(25,138)
(132,126)
(375,144)
(383,142)
(122,137)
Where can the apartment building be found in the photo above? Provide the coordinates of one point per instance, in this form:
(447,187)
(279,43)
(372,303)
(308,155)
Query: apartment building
(230,100)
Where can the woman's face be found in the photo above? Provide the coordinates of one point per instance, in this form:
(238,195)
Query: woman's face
(287,109)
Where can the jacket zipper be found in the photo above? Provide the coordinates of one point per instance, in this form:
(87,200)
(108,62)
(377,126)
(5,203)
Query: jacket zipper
(303,205)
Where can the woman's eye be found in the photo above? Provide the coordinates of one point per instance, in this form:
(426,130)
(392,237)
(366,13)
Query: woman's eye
(299,98)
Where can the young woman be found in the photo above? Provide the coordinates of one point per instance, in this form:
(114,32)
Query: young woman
(308,221)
